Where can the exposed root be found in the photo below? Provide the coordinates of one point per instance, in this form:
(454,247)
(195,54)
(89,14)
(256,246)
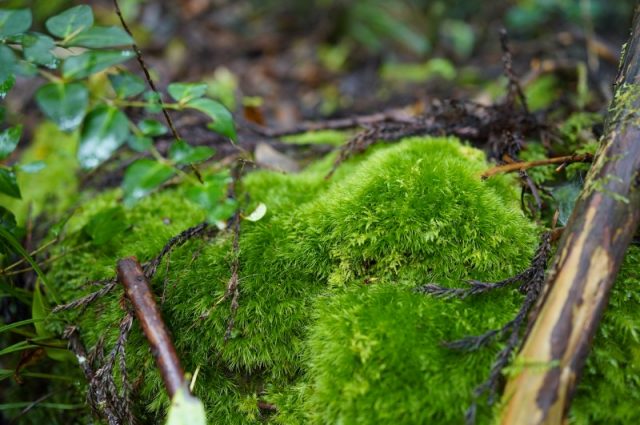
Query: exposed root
(102,396)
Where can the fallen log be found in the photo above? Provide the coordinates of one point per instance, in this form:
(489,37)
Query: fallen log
(585,265)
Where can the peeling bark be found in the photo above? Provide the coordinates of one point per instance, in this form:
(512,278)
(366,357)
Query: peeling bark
(589,255)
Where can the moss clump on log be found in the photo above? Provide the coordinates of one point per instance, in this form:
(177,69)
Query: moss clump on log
(329,328)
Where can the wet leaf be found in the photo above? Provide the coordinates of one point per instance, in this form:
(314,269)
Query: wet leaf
(140,143)
(14,21)
(7,221)
(186,409)
(565,196)
(258,213)
(91,62)
(126,84)
(104,130)
(152,128)
(211,197)
(106,224)
(9,140)
(183,92)
(222,118)
(98,37)
(8,61)
(8,183)
(183,153)
(64,103)
(37,49)
(142,177)
(70,21)
(153,102)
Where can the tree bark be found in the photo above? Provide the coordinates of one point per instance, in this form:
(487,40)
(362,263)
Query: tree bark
(589,255)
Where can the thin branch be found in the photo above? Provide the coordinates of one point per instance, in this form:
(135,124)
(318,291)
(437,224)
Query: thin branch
(517,166)
(396,115)
(138,290)
(183,237)
(152,85)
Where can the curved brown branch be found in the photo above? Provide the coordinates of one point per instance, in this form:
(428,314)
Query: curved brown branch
(137,288)
(517,166)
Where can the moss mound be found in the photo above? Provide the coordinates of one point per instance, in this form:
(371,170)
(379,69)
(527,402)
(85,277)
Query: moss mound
(329,328)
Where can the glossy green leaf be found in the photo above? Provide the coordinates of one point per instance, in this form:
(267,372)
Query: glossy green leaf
(153,100)
(70,21)
(142,177)
(14,21)
(140,143)
(91,62)
(183,92)
(186,409)
(183,153)
(32,167)
(152,128)
(25,69)
(211,197)
(106,224)
(5,86)
(126,84)
(104,130)
(98,37)
(8,183)
(222,118)
(37,49)
(8,220)
(8,61)
(64,103)
(9,140)
(566,196)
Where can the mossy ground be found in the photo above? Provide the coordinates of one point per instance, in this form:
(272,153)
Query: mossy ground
(329,328)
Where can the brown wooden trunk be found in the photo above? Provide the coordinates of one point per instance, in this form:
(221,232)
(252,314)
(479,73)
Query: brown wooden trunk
(585,266)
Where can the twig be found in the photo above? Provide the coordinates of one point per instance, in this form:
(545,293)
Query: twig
(85,301)
(152,85)
(183,237)
(397,115)
(514,85)
(531,281)
(147,75)
(517,166)
(150,268)
(137,288)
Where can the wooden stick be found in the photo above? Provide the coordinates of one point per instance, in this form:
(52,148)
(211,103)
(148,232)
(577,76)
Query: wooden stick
(517,166)
(138,290)
(589,255)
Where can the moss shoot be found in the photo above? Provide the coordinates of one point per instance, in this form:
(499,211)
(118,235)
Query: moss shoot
(329,328)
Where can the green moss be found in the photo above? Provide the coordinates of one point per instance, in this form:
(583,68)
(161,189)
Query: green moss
(329,328)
